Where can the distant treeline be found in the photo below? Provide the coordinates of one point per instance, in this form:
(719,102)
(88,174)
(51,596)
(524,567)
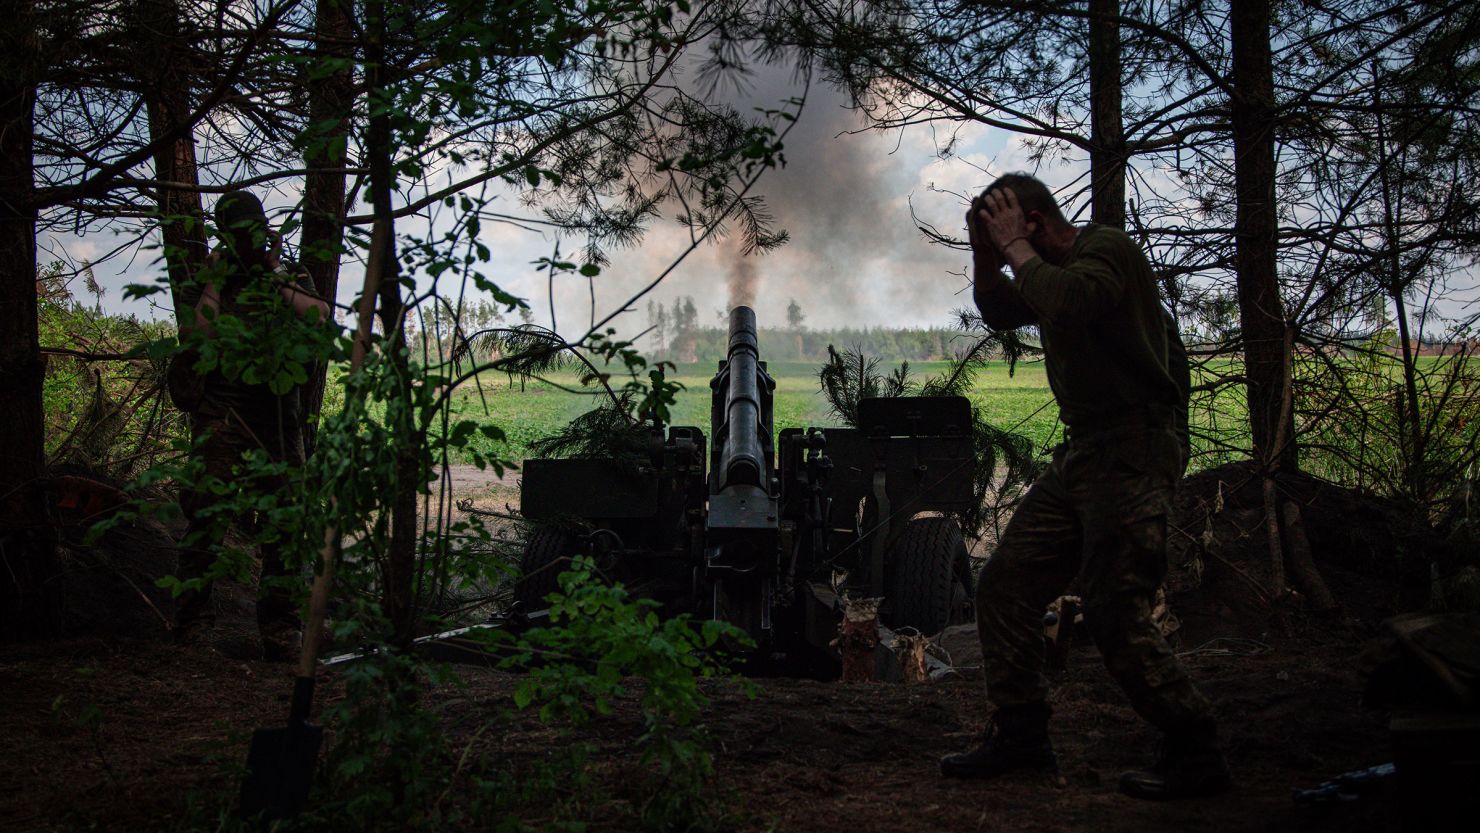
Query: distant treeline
(675,335)
(782,345)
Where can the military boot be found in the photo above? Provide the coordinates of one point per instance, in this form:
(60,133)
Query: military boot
(1016,741)
(1189,765)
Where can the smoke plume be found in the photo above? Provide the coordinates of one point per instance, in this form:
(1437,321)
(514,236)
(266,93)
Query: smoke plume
(854,255)
(742,277)
(844,196)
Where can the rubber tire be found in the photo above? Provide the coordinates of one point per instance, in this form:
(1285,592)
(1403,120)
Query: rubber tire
(546,556)
(922,583)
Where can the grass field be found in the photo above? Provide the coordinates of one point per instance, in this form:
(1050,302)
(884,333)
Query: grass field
(530,410)
(1020,402)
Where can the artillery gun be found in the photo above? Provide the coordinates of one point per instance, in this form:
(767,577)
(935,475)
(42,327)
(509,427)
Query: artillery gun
(764,531)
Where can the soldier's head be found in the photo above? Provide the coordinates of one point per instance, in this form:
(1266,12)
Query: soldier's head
(242,223)
(1049,232)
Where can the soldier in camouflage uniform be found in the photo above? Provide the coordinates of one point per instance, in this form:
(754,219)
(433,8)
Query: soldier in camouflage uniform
(1119,373)
(244,278)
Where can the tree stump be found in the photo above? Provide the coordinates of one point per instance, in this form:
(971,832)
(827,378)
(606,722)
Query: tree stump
(858,639)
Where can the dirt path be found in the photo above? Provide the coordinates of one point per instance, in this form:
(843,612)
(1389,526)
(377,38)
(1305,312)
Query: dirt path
(486,488)
(470,481)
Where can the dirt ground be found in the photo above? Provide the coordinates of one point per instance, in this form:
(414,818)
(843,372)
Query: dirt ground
(125,735)
(121,730)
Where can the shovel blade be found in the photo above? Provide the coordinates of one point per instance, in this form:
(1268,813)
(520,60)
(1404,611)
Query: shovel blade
(280,766)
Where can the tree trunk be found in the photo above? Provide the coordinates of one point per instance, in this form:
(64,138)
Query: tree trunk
(29,592)
(1261,310)
(322,245)
(1410,418)
(401,555)
(167,100)
(1107,134)
(1303,564)
(1269,471)
(1410,421)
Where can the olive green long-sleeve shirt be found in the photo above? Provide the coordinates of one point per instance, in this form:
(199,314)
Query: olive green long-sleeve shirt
(1111,350)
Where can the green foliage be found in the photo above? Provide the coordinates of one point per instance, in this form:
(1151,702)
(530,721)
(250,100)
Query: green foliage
(850,377)
(599,646)
(520,352)
(88,717)
(390,760)
(252,490)
(572,107)
(1006,460)
(621,427)
(107,415)
(608,431)
(560,784)
(394,767)
(653,397)
(1378,443)
(275,348)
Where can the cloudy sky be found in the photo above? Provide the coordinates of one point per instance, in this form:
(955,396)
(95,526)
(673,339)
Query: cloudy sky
(855,257)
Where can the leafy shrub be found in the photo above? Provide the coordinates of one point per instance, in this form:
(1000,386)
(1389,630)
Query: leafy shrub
(600,644)
(103,398)
(1366,433)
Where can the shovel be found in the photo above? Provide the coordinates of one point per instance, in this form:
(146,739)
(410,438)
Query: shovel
(280,762)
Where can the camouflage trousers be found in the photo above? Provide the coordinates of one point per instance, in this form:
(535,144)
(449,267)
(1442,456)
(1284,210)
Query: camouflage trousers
(1098,513)
(221,440)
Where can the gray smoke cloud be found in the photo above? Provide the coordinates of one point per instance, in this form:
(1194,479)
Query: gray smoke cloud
(743,278)
(854,257)
(833,197)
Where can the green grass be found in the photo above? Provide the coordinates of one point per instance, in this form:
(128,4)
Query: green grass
(530,410)
(1352,444)
(1019,402)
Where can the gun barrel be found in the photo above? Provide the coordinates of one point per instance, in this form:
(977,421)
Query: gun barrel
(743,460)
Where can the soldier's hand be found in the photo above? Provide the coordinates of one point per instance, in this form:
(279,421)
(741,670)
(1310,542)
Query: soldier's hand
(1005,221)
(984,253)
(274,249)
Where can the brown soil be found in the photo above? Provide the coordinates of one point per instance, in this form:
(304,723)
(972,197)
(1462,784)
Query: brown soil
(799,756)
(120,730)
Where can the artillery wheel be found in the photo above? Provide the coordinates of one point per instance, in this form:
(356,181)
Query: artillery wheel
(546,556)
(923,583)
